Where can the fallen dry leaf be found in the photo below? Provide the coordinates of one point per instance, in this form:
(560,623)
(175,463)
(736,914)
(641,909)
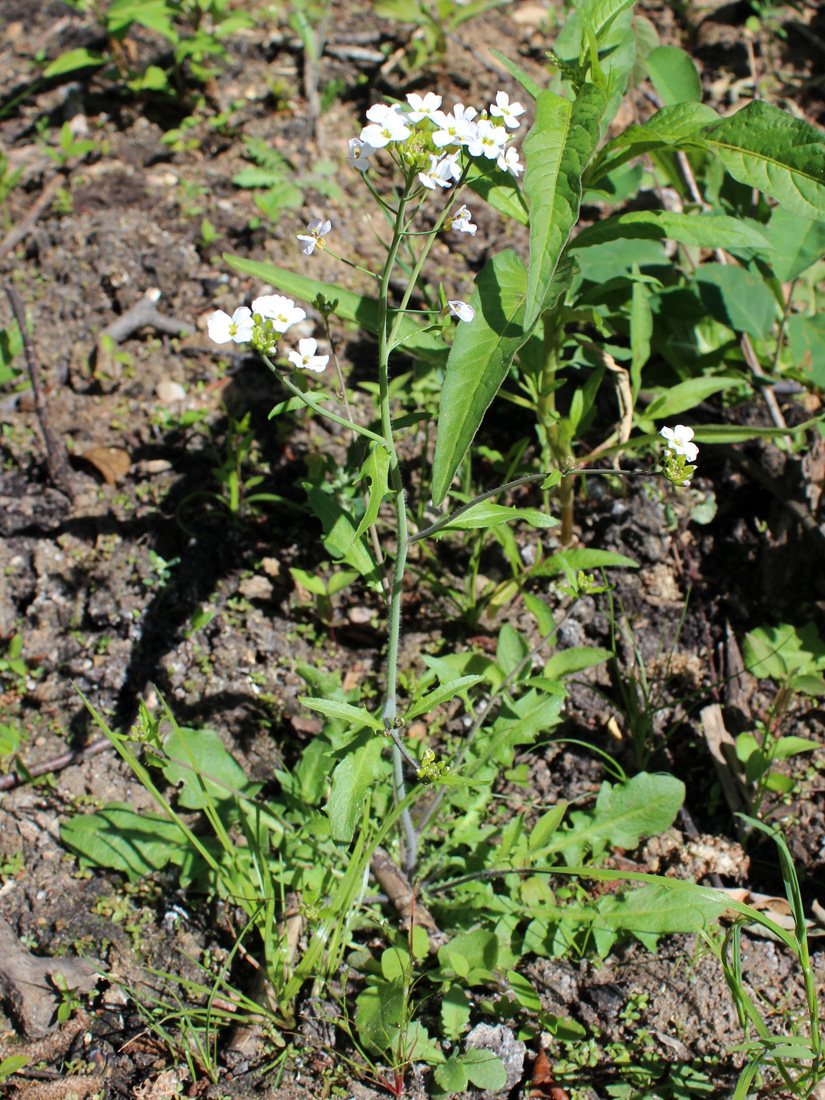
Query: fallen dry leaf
(112,463)
(542,1082)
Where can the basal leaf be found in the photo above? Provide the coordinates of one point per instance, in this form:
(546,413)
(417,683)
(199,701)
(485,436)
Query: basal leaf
(556,151)
(201,766)
(700,230)
(121,838)
(351,780)
(352,307)
(780,155)
(674,76)
(479,361)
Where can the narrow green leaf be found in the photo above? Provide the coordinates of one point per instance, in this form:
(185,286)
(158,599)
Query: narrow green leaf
(352,307)
(489,514)
(356,717)
(574,660)
(674,76)
(376,470)
(733,433)
(441,695)
(479,361)
(527,82)
(780,155)
(581,559)
(556,151)
(72,60)
(686,395)
(641,331)
(339,533)
(700,230)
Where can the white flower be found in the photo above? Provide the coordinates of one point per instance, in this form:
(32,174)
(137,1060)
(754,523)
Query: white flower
(461,310)
(387,125)
(358,153)
(489,140)
(678,440)
(316,230)
(306,359)
(451,130)
(464,114)
(422,107)
(443,170)
(281,311)
(460,222)
(505,110)
(238,327)
(508,162)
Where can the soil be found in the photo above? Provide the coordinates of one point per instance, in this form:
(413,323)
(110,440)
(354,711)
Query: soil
(103,582)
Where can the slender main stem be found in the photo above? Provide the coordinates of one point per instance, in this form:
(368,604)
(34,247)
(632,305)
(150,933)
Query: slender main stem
(402,533)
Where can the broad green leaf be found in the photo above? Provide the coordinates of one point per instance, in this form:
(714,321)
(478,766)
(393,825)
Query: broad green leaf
(606,261)
(375,469)
(524,991)
(478,948)
(421,1046)
(485,1069)
(557,150)
(792,746)
(499,189)
(489,514)
(581,559)
(379,1014)
(738,298)
(546,826)
(654,911)
(441,695)
(701,230)
(686,395)
(121,838)
(352,307)
(153,14)
(511,649)
(13,1064)
(455,1013)
(479,361)
(644,806)
(72,60)
(200,757)
(778,154)
(532,714)
(356,717)
(798,243)
(451,1075)
(679,126)
(674,76)
(574,660)
(807,339)
(351,781)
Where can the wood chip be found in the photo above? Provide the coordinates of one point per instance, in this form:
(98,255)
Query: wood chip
(112,463)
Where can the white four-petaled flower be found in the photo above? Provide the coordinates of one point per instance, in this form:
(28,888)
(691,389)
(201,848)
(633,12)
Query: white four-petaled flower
(422,106)
(678,440)
(461,310)
(238,327)
(305,358)
(388,124)
(508,162)
(316,230)
(281,311)
(358,153)
(505,110)
(461,223)
(488,140)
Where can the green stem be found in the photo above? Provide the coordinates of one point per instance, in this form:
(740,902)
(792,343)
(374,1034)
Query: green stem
(318,408)
(555,446)
(397,487)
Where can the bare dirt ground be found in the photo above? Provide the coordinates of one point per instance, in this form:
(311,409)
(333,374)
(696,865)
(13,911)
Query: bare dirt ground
(103,587)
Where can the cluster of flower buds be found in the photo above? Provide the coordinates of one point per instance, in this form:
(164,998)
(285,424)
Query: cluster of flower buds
(680,452)
(262,325)
(433,140)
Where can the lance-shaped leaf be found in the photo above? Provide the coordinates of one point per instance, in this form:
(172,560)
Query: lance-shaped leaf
(556,151)
(479,361)
(488,514)
(376,469)
(770,150)
(499,189)
(701,230)
(352,307)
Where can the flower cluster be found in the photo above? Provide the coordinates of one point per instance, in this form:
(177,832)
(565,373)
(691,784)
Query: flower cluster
(679,453)
(433,140)
(262,324)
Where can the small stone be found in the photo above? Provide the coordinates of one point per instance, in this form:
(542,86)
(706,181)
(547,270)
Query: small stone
(256,588)
(271,566)
(501,1041)
(359,615)
(530,15)
(168,391)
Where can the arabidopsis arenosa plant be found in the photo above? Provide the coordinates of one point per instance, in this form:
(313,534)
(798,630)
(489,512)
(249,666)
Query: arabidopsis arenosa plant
(313,238)
(305,358)
(238,327)
(461,310)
